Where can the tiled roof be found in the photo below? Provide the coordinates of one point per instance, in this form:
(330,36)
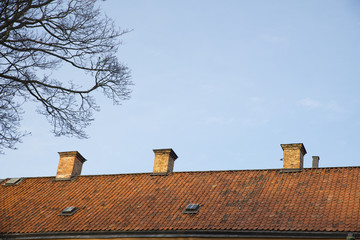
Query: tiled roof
(324,199)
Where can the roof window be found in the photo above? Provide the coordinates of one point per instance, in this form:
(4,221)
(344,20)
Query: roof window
(12,181)
(68,211)
(192,208)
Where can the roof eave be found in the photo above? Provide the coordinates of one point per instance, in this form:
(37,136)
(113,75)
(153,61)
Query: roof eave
(178,234)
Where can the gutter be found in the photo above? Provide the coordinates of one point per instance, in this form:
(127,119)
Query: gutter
(177,234)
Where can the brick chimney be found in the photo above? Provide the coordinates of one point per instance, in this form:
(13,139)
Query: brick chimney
(70,165)
(164,161)
(315,162)
(293,155)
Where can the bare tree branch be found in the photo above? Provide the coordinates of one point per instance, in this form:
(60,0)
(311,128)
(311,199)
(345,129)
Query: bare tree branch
(42,35)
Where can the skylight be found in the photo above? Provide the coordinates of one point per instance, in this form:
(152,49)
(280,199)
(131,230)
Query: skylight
(192,208)
(68,211)
(12,181)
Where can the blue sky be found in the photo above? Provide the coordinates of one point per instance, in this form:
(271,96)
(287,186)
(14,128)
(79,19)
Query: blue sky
(223,83)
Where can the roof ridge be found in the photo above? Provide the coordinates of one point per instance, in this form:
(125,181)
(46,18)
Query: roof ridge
(197,171)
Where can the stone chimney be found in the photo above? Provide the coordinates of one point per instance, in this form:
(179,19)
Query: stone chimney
(70,165)
(293,155)
(164,161)
(315,162)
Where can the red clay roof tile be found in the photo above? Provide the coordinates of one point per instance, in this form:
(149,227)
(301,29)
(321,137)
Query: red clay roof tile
(326,199)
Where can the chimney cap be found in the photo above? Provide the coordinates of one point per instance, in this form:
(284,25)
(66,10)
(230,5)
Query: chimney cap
(166,150)
(294,146)
(72,154)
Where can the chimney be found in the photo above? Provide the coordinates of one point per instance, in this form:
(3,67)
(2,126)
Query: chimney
(315,162)
(164,161)
(70,165)
(293,155)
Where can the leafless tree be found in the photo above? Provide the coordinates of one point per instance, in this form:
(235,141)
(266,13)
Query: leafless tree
(37,37)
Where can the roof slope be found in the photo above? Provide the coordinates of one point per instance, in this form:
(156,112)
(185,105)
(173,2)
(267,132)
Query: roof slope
(325,199)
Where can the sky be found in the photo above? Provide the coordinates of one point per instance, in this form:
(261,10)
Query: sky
(223,83)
